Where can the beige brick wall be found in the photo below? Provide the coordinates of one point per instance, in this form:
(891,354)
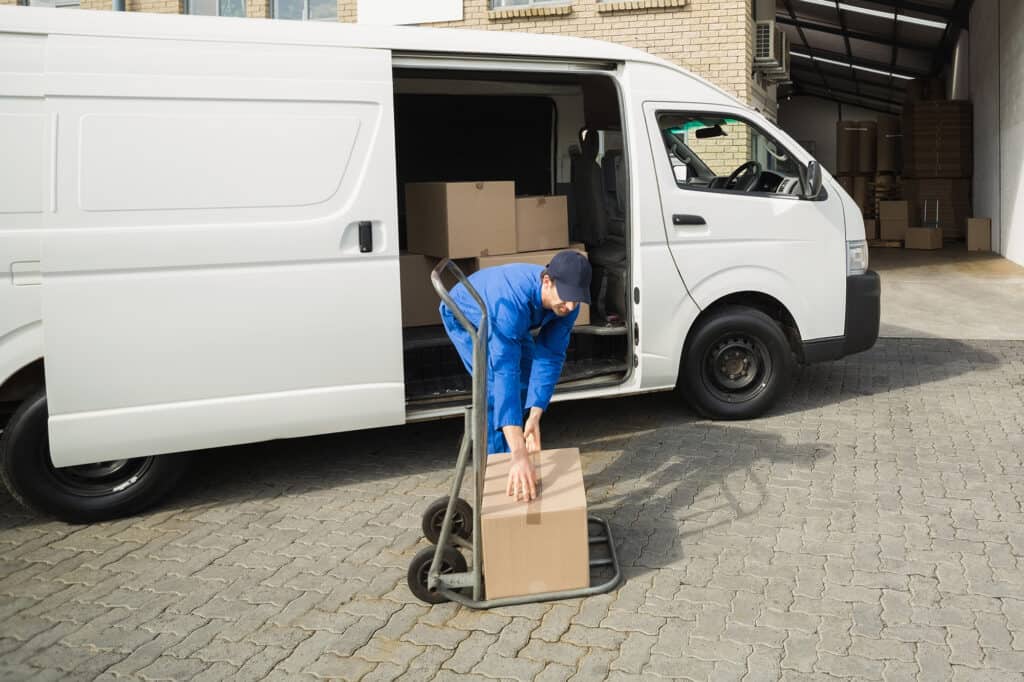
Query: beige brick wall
(156,6)
(712,38)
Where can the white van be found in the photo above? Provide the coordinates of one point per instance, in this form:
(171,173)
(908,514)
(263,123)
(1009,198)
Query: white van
(180,210)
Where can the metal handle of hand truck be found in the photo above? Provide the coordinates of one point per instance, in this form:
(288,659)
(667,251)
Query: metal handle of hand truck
(475,418)
(435,279)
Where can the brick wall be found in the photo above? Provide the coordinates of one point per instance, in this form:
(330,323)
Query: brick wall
(712,38)
(156,6)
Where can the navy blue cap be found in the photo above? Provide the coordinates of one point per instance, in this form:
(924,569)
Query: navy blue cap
(570,271)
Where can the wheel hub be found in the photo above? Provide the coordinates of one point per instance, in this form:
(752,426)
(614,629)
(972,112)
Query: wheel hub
(735,363)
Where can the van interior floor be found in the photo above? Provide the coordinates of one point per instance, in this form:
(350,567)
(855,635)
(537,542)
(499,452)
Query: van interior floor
(434,371)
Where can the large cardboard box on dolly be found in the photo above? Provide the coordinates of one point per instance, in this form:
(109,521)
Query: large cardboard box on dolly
(536,258)
(538,546)
(460,219)
(542,223)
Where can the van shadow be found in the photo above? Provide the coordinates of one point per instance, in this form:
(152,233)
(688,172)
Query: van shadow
(663,479)
(892,365)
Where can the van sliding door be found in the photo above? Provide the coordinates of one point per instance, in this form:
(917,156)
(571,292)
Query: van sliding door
(222,266)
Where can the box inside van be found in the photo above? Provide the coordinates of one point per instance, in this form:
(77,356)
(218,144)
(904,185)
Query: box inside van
(551,134)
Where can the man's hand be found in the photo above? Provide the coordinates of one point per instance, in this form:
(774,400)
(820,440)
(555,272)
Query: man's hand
(522,477)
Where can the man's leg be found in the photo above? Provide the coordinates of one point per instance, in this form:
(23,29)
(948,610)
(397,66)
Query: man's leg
(463,343)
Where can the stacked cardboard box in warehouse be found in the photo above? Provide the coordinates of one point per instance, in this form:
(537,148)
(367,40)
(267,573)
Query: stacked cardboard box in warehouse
(937,159)
(868,163)
(481,225)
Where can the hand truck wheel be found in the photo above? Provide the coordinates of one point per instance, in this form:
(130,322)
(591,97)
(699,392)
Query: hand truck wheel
(433,519)
(452,561)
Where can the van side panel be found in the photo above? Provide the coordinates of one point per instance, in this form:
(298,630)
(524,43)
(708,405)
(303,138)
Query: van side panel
(204,279)
(26,135)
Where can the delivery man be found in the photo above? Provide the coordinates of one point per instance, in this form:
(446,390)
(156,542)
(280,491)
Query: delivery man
(522,370)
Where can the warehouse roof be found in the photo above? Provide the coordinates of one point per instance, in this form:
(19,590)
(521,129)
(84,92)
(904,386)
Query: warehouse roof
(864,52)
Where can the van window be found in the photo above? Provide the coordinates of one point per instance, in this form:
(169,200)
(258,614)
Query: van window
(714,152)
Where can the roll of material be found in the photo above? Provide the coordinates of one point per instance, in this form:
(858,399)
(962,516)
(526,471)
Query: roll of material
(867,134)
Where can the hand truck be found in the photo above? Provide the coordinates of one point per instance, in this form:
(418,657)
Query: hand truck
(438,574)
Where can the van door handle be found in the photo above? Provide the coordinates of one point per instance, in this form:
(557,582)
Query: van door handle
(365,236)
(682,219)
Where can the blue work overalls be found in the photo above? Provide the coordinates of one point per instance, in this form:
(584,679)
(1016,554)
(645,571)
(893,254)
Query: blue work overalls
(522,370)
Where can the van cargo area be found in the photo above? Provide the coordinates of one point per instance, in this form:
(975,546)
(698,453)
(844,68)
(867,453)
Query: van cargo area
(557,139)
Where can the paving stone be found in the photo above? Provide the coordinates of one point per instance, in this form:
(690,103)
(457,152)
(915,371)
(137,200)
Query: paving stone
(552,652)
(470,652)
(593,637)
(800,652)
(332,667)
(428,635)
(677,668)
(493,665)
(933,660)
(171,668)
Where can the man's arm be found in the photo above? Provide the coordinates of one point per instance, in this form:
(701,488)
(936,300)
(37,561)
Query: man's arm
(548,359)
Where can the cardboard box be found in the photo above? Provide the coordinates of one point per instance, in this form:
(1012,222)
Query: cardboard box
(926,238)
(538,546)
(979,234)
(870,229)
(460,219)
(536,258)
(419,300)
(542,223)
(947,202)
(893,220)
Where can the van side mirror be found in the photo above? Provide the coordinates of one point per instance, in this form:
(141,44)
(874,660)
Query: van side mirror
(812,181)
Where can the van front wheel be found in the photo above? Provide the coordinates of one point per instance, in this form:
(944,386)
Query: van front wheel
(736,364)
(78,494)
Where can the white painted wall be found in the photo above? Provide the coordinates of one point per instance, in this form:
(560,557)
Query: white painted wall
(984,93)
(814,119)
(997,90)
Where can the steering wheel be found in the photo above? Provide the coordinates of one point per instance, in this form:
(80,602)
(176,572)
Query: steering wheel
(750,169)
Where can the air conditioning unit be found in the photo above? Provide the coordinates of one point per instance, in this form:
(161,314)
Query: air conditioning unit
(771,51)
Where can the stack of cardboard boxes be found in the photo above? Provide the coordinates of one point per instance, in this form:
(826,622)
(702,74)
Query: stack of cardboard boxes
(938,161)
(479,225)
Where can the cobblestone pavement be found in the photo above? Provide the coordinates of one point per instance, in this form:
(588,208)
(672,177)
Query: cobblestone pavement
(871,528)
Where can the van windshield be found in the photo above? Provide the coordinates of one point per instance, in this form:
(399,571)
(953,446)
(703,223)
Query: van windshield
(707,150)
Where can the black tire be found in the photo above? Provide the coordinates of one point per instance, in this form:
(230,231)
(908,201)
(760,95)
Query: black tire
(79,494)
(433,518)
(452,561)
(736,364)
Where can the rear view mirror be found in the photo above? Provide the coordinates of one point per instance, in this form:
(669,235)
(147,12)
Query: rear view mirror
(812,181)
(713,131)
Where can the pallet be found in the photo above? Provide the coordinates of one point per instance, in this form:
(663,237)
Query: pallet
(885,243)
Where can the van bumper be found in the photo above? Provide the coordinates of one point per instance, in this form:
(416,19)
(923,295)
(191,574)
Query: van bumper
(863,311)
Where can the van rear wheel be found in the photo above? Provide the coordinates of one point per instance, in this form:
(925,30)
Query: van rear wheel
(78,494)
(736,364)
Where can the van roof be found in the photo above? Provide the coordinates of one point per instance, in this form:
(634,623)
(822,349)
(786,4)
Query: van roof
(403,39)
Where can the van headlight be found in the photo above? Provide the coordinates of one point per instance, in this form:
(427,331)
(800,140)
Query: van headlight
(856,257)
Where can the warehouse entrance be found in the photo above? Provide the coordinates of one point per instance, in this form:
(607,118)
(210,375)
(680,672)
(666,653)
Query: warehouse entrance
(909,105)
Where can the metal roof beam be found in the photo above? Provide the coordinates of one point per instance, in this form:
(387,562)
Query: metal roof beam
(845,99)
(856,35)
(939,12)
(846,41)
(866,63)
(807,45)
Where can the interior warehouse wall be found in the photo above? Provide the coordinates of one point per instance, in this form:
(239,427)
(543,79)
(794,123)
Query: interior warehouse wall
(813,119)
(997,90)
